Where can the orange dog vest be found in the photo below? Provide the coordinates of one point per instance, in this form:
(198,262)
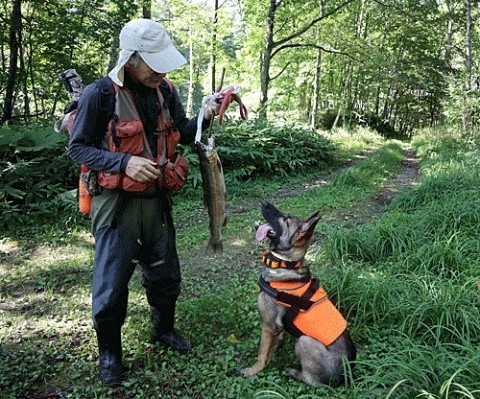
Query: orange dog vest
(310,312)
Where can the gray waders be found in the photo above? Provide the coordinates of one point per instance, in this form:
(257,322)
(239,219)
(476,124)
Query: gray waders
(130,230)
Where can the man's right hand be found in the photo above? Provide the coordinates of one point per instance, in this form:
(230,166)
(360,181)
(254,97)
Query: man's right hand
(142,169)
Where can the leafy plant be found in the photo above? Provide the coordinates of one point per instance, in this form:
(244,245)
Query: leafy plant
(259,147)
(34,170)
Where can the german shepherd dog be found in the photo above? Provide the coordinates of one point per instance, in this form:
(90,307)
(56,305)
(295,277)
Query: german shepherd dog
(287,294)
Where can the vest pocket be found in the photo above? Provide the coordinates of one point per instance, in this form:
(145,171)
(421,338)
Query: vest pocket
(121,180)
(131,185)
(128,137)
(110,180)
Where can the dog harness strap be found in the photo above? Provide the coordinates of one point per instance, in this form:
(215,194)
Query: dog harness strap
(272,261)
(293,301)
(308,309)
(288,322)
(280,296)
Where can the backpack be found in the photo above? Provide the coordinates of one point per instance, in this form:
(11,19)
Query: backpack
(73,83)
(87,185)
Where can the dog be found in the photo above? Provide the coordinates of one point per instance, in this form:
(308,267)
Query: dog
(288,293)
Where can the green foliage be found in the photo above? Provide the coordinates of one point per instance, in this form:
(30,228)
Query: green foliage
(408,280)
(32,181)
(259,148)
(350,119)
(373,170)
(398,66)
(34,170)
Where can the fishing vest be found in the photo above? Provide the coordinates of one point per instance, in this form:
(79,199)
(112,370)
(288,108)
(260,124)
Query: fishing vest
(309,311)
(125,134)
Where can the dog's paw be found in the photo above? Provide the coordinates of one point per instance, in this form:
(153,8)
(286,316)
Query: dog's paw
(249,371)
(293,372)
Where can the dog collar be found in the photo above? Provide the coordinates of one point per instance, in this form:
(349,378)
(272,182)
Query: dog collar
(272,261)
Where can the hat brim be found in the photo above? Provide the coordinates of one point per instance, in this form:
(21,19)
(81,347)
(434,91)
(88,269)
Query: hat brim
(164,61)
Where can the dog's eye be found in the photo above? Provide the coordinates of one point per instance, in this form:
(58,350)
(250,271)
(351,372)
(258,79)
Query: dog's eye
(286,219)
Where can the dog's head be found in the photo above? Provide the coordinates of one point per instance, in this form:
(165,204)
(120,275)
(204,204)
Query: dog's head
(289,236)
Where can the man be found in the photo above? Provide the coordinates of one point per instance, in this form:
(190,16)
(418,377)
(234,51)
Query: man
(132,223)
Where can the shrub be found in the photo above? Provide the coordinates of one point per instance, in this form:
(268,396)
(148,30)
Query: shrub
(34,170)
(258,147)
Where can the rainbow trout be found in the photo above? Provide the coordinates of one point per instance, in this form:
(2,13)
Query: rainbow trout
(214,193)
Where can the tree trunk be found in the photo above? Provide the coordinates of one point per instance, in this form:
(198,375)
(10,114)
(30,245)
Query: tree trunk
(278,45)
(344,96)
(14,44)
(316,91)
(448,45)
(467,114)
(120,19)
(147,9)
(266,59)
(191,70)
(317,77)
(468,44)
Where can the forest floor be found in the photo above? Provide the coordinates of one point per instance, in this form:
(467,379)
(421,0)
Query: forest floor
(241,250)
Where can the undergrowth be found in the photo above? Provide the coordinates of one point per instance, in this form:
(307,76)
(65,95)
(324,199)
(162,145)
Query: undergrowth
(405,281)
(410,277)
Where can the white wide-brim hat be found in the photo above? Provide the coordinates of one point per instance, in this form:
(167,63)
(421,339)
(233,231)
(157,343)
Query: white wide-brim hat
(150,40)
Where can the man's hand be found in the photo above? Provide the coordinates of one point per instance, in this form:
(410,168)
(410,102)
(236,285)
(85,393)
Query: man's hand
(213,106)
(142,169)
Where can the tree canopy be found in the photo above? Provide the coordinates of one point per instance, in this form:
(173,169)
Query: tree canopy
(400,64)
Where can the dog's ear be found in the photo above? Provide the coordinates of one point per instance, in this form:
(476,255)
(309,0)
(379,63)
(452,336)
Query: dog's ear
(307,228)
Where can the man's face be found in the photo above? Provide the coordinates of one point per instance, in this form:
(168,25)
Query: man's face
(144,74)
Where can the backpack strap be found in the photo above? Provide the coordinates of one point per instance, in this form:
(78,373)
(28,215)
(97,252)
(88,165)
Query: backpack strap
(302,302)
(107,108)
(166,87)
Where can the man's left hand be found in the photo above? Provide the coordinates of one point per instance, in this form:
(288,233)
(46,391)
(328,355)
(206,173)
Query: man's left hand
(213,106)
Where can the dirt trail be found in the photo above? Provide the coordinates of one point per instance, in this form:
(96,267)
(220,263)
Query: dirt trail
(247,253)
(405,179)
(402,181)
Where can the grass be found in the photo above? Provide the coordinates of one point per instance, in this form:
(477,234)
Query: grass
(406,282)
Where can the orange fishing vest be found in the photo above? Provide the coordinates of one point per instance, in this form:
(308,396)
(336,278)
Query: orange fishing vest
(125,134)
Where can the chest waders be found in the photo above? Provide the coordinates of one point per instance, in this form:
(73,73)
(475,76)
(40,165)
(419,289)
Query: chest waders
(130,229)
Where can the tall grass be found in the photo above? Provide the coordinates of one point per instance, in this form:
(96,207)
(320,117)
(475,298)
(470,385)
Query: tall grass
(408,281)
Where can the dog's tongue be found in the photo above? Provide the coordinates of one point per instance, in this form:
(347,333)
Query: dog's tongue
(262,231)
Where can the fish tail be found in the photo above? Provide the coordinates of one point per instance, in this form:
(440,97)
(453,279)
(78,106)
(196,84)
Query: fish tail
(214,246)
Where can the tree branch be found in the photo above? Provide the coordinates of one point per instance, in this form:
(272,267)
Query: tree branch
(309,25)
(317,46)
(283,70)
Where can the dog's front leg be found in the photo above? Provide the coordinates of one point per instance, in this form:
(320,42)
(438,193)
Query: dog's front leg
(269,341)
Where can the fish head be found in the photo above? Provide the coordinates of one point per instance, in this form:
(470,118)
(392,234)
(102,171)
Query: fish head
(206,154)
